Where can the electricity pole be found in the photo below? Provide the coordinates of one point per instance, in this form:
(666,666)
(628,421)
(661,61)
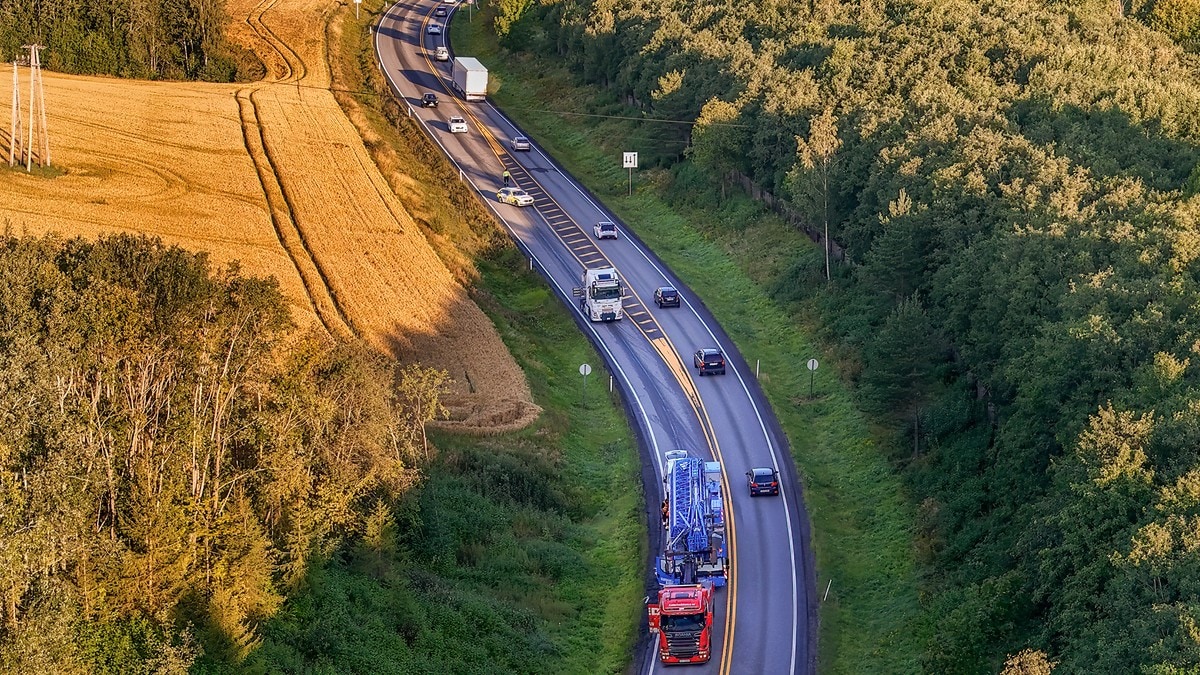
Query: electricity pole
(37,110)
(14,136)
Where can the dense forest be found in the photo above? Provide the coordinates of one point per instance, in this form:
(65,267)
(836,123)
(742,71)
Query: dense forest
(174,458)
(1011,189)
(171,39)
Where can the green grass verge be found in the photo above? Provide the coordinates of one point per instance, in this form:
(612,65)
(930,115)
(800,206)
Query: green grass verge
(522,552)
(731,251)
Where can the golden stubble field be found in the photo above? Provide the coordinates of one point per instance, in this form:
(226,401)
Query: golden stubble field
(274,175)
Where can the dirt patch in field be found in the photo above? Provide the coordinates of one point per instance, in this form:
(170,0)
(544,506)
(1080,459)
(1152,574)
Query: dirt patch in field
(272,174)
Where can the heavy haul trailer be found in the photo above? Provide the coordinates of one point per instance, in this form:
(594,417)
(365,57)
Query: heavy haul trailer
(693,561)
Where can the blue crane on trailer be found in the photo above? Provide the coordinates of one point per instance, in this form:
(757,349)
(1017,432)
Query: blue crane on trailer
(694,545)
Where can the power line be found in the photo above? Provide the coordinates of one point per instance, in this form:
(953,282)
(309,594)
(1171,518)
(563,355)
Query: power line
(627,117)
(14,136)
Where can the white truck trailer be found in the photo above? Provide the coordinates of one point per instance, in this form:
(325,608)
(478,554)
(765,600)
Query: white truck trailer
(602,294)
(469,78)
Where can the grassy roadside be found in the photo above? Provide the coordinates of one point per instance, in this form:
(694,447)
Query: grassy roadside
(520,552)
(732,252)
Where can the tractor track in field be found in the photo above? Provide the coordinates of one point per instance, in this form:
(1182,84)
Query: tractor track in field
(294,68)
(283,219)
(316,284)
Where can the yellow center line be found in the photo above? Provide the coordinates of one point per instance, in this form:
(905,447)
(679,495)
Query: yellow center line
(665,348)
(675,363)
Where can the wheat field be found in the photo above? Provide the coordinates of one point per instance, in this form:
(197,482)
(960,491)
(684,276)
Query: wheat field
(274,175)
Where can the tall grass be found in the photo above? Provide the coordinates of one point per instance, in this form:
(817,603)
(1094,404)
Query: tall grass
(733,253)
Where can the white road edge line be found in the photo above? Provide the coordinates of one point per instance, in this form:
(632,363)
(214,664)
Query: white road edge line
(566,297)
(758,414)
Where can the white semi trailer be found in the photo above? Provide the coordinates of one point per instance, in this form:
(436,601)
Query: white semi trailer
(469,77)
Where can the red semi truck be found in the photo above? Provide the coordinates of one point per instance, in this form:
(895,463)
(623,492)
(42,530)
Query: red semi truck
(682,622)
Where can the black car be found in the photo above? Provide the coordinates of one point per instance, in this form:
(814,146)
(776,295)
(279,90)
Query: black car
(666,296)
(429,100)
(709,361)
(440,11)
(763,480)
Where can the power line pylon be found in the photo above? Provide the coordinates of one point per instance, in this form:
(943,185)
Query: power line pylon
(37,111)
(14,136)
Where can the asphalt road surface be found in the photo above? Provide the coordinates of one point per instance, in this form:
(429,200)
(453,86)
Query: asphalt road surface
(766,615)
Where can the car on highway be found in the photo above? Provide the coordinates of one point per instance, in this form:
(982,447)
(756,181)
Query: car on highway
(434,29)
(605,230)
(429,100)
(440,11)
(457,124)
(709,361)
(762,480)
(520,143)
(666,296)
(441,53)
(514,196)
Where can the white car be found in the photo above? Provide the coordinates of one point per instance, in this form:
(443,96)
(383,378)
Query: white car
(441,53)
(514,196)
(458,125)
(605,230)
(434,29)
(520,143)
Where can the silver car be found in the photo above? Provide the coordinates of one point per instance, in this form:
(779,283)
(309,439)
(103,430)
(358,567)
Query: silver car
(605,230)
(520,143)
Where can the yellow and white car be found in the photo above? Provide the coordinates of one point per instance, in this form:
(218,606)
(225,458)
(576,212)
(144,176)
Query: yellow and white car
(514,196)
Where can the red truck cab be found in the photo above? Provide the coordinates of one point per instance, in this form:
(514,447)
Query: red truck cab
(682,620)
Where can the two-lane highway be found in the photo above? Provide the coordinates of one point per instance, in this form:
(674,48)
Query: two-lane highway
(766,615)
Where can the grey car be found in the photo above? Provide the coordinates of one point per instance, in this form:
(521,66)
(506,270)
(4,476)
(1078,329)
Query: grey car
(520,143)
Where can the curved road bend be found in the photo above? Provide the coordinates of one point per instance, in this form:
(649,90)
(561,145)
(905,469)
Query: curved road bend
(766,615)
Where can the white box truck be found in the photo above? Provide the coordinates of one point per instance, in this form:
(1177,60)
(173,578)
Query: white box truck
(469,78)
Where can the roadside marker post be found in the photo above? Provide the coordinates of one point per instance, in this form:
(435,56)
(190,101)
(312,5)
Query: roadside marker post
(812,371)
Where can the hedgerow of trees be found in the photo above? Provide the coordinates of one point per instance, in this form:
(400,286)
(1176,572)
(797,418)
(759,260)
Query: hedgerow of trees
(171,39)
(174,457)
(1015,189)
